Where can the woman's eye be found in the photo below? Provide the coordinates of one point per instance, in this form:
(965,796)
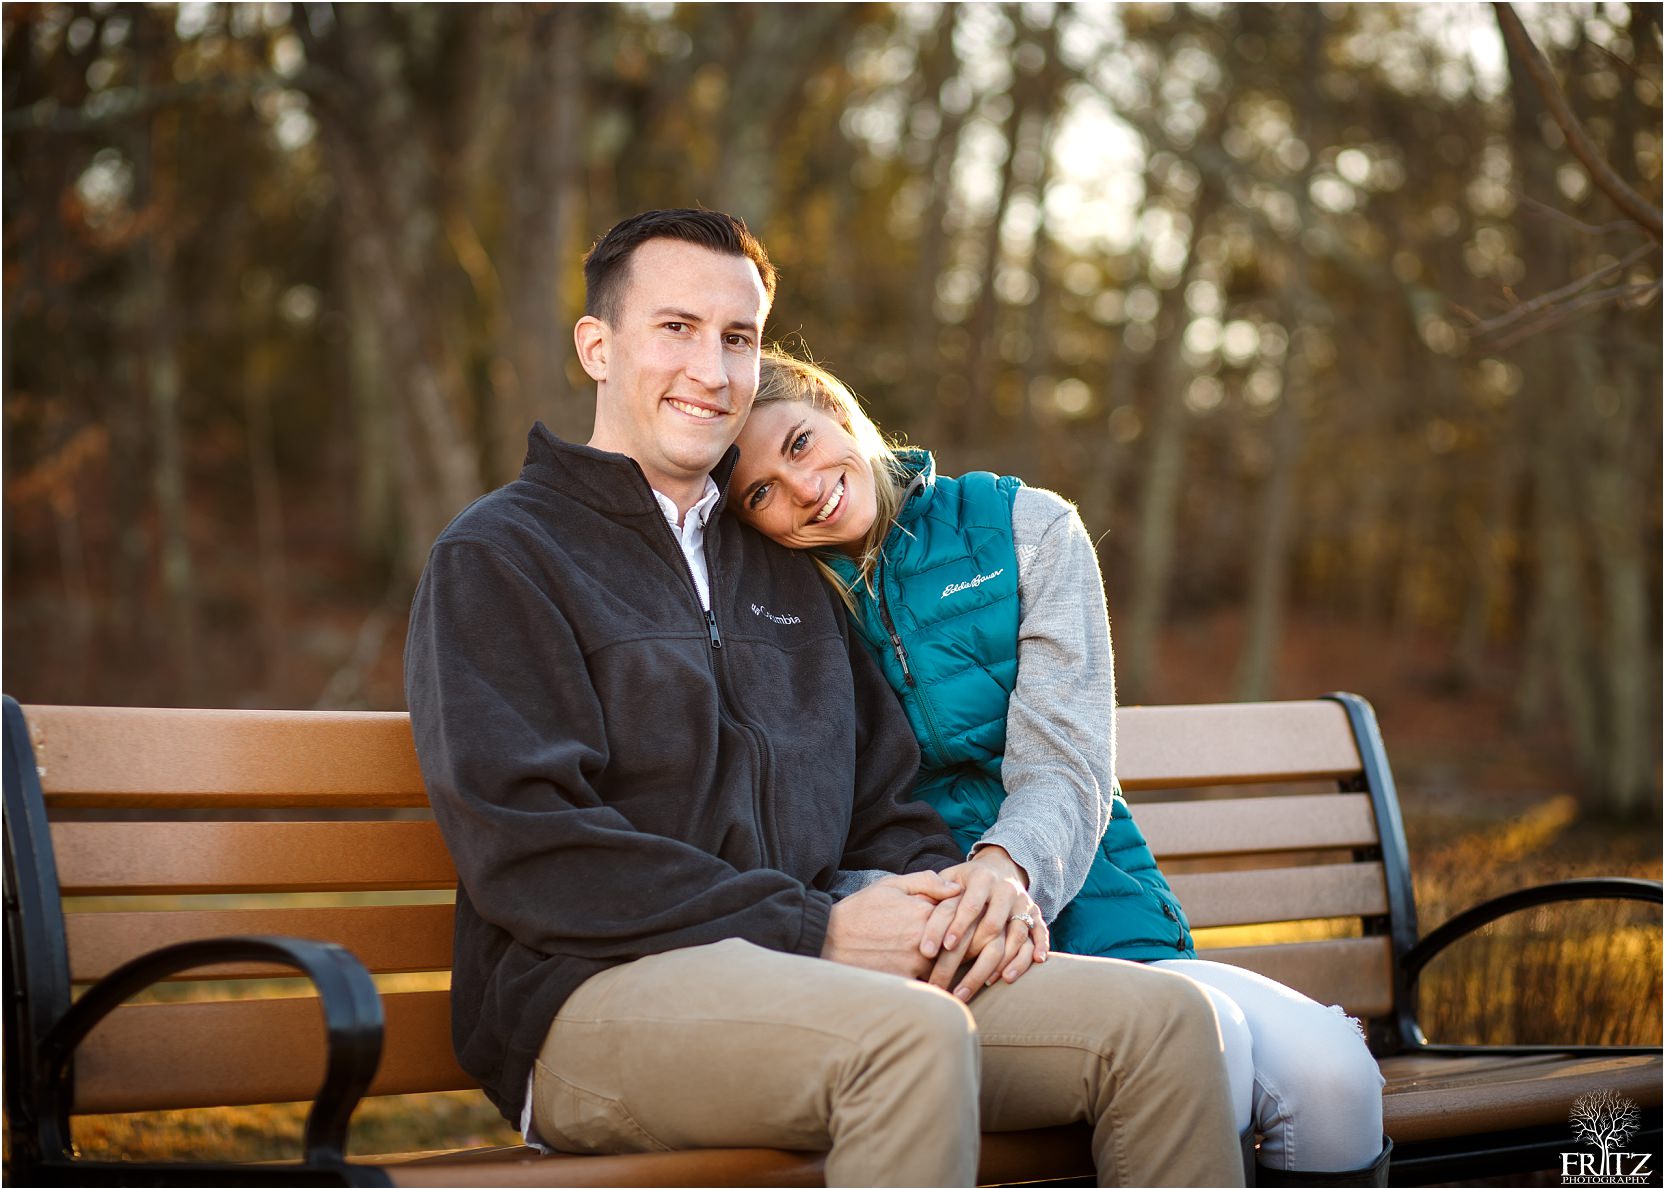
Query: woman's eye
(801,442)
(758,496)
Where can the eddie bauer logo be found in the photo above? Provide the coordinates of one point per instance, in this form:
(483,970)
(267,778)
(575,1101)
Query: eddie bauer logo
(760,610)
(1604,1119)
(956,588)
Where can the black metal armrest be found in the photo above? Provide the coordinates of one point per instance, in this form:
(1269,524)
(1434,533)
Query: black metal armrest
(1591,888)
(352,1022)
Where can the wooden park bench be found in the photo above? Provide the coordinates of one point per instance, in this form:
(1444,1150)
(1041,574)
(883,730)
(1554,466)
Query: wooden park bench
(163,806)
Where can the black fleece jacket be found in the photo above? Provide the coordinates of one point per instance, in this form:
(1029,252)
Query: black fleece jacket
(615,775)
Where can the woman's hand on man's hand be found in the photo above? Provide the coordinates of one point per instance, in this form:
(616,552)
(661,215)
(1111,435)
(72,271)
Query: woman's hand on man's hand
(984,926)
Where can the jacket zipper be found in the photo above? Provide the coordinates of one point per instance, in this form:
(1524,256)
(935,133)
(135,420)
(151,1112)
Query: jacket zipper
(907,671)
(895,640)
(759,745)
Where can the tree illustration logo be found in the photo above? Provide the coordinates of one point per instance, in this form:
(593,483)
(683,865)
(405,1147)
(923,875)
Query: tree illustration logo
(1604,1120)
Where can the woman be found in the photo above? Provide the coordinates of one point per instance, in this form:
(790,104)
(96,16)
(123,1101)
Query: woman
(981,600)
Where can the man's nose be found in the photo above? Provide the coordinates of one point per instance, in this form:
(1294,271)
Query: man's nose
(704,363)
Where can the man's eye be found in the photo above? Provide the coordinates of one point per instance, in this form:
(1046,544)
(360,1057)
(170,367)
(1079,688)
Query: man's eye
(739,341)
(758,496)
(801,442)
(676,326)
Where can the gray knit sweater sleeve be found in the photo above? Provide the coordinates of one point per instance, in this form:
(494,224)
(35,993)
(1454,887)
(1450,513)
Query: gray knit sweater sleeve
(1061,723)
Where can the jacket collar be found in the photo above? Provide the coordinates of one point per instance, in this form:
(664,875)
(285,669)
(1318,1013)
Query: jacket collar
(610,483)
(916,470)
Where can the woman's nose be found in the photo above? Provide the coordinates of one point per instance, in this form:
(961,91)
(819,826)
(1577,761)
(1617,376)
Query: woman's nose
(805,488)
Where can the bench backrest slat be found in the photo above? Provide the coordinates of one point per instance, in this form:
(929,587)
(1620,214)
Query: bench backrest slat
(1251,825)
(252,1051)
(386,938)
(142,756)
(133,858)
(1281,894)
(1233,743)
(160,757)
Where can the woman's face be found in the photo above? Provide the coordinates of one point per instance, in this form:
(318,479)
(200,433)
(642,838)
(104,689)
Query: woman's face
(802,480)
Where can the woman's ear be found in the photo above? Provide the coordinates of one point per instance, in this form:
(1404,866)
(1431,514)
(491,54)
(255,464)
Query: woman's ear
(590,336)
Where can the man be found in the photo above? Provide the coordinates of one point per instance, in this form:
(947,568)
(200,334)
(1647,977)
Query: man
(692,882)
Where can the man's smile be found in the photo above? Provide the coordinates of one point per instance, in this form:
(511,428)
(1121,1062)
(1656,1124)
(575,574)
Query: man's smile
(703,412)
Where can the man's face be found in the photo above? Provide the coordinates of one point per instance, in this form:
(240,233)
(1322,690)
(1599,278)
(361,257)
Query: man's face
(676,369)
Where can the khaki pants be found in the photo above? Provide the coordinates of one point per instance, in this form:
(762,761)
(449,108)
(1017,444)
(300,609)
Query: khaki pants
(733,1045)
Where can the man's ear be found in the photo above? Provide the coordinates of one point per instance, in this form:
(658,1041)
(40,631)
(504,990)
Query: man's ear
(590,336)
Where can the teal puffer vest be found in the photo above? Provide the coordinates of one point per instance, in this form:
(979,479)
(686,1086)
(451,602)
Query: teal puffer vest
(942,622)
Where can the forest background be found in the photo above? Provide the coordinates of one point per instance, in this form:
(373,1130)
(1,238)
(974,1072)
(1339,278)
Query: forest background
(1340,324)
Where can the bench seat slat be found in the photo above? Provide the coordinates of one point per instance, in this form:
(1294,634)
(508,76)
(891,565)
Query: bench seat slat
(1257,825)
(230,1052)
(1037,1154)
(385,938)
(1429,1098)
(693,1167)
(1356,973)
(140,756)
(131,858)
(1235,743)
(1281,894)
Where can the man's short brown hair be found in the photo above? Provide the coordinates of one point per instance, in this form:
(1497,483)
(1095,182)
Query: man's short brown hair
(607,265)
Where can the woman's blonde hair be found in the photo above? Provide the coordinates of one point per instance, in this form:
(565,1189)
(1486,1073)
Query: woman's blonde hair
(784,377)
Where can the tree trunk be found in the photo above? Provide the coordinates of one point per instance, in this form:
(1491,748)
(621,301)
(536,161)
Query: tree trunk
(1488,584)
(1269,564)
(927,367)
(546,199)
(1164,471)
(377,160)
(161,315)
(271,587)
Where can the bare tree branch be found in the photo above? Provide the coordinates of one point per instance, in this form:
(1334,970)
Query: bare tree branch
(1609,182)
(1589,303)
(1570,290)
(1627,64)
(1589,229)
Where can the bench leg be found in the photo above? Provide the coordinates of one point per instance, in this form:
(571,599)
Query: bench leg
(1374,1174)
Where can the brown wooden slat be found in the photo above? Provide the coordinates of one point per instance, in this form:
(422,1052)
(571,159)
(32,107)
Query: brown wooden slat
(112,858)
(385,938)
(1251,825)
(143,756)
(1429,1097)
(154,1056)
(1039,1154)
(693,1167)
(1281,894)
(1232,743)
(1356,973)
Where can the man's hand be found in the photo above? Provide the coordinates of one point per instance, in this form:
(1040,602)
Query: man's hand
(985,927)
(880,927)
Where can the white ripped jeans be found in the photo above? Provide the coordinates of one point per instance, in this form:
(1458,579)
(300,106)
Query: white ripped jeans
(1300,1071)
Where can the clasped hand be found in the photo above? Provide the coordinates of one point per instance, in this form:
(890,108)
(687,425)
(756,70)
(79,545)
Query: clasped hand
(961,929)
(986,928)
